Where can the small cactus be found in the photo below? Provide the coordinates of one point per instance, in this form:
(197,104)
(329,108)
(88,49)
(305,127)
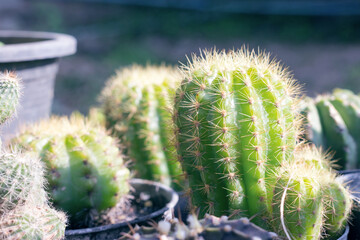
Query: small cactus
(21,178)
(309,202)
(235,116)
(137,106)
(85,169)
(335,120)
(9,95)
(209,228)
(33,222)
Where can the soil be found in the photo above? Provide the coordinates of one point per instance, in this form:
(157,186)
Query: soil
(128,209)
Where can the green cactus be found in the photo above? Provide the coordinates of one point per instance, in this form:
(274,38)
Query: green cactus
(313,127)
(338,205)
(137,106)
(236,123)
(33,222)
(97,116)
(9,95)
(21,178)
(298,207)
(309,202)
(86,172)
(24,209)
(339,115)
(209,228)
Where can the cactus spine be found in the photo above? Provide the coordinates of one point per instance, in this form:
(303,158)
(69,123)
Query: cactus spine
(339,115)
(236,124)
(24,209)
(136,103)
(85,169)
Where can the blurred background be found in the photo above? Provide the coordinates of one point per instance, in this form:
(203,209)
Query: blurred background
(318,40)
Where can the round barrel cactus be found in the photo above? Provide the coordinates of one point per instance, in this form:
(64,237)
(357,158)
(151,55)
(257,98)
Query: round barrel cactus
(137,104)
(236,123)
(309,202)
(33,222)
(85,170)
(333,122)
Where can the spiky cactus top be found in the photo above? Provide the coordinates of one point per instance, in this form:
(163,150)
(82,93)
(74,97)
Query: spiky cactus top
(137,106)
(333,122)
(85,169)
(236,123)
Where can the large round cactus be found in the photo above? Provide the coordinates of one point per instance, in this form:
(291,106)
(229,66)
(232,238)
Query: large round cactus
(333,122)
(85,170)
(236,123)
(137,106)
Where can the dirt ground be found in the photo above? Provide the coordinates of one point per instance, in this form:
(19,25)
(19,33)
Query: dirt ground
(321,52)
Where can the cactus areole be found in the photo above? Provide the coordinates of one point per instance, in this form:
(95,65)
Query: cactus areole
(236,123)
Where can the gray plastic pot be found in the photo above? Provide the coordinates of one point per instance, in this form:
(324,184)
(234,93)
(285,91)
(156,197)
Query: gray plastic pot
(35,58)
(164,196)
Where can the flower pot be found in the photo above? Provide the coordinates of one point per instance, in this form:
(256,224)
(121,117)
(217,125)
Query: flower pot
(182,210)
(35,58)
(164,197)
(352,179)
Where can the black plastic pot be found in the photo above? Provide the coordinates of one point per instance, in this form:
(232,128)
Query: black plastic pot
(164,196)
(182,210)
(35,58)
(352,179)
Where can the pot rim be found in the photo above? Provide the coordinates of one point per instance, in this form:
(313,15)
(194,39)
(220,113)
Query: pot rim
(170,205)
(50,45)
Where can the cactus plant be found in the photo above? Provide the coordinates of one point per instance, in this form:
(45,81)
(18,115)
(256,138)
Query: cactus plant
(24,209)
(86,172)
(33,222)
(236,123)
(137,106)
(335,120)
(309,202)
(9,95)
(237,131)
(21,178)
(209,228)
